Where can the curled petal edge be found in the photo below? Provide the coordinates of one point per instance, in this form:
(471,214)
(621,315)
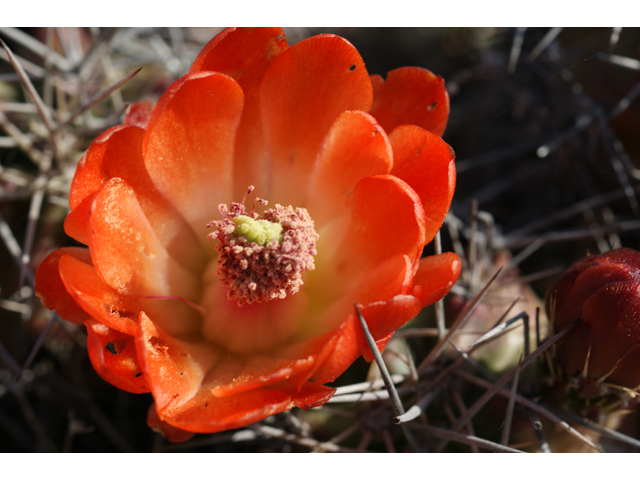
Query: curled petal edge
(113,356)
(51,290)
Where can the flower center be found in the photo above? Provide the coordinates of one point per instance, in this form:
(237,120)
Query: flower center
(263,257)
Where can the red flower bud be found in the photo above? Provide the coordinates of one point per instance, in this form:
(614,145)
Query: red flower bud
(602,293)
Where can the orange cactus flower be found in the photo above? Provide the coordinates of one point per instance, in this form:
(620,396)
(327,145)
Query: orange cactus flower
(602,294)
(229,325)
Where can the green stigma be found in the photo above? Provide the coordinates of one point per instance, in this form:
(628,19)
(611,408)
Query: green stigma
(258,231)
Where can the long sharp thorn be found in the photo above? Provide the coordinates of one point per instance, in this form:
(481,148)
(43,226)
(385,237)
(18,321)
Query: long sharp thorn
(601,429)
(391,388)
(544,43)
(529,404)
(450,435)
(489,394)
(28,86)
(388,382)
(460,320)
(13,246)
(37,345)
(34,215)
(97,98)
(36,47)
(506,430)
(615,36)
(494,331)
(516,48)
(23,141)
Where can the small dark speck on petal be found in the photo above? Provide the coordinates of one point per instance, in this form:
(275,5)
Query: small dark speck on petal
(181,374)
(112,348)
(352,68)
(432,106)
(138,374)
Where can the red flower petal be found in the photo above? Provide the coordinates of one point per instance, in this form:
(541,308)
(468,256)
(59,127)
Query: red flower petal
(382,319)
(312,395)
(208,414)
(586,284)
(302,93)
(380,344)
(296,364)
(435,277)
(117,153)
(76,225)
(356,147)
(256,372)
(169,432)
(113,153)
(113,356)
(613,313)
(626,372)
(205,413)
(411,95)
(244,54)
(426,163)
(573,348)
(241,53)
(387,218)
(126,251)
(120,312)
(51,290)
(319,348)
(235,374)
(101,302)
(189,143)
(559,293)
(390,278)
(139,114)
(348,349)
(174,370)
(625,256)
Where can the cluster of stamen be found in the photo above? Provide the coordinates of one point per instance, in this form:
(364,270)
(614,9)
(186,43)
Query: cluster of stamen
(263,257)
